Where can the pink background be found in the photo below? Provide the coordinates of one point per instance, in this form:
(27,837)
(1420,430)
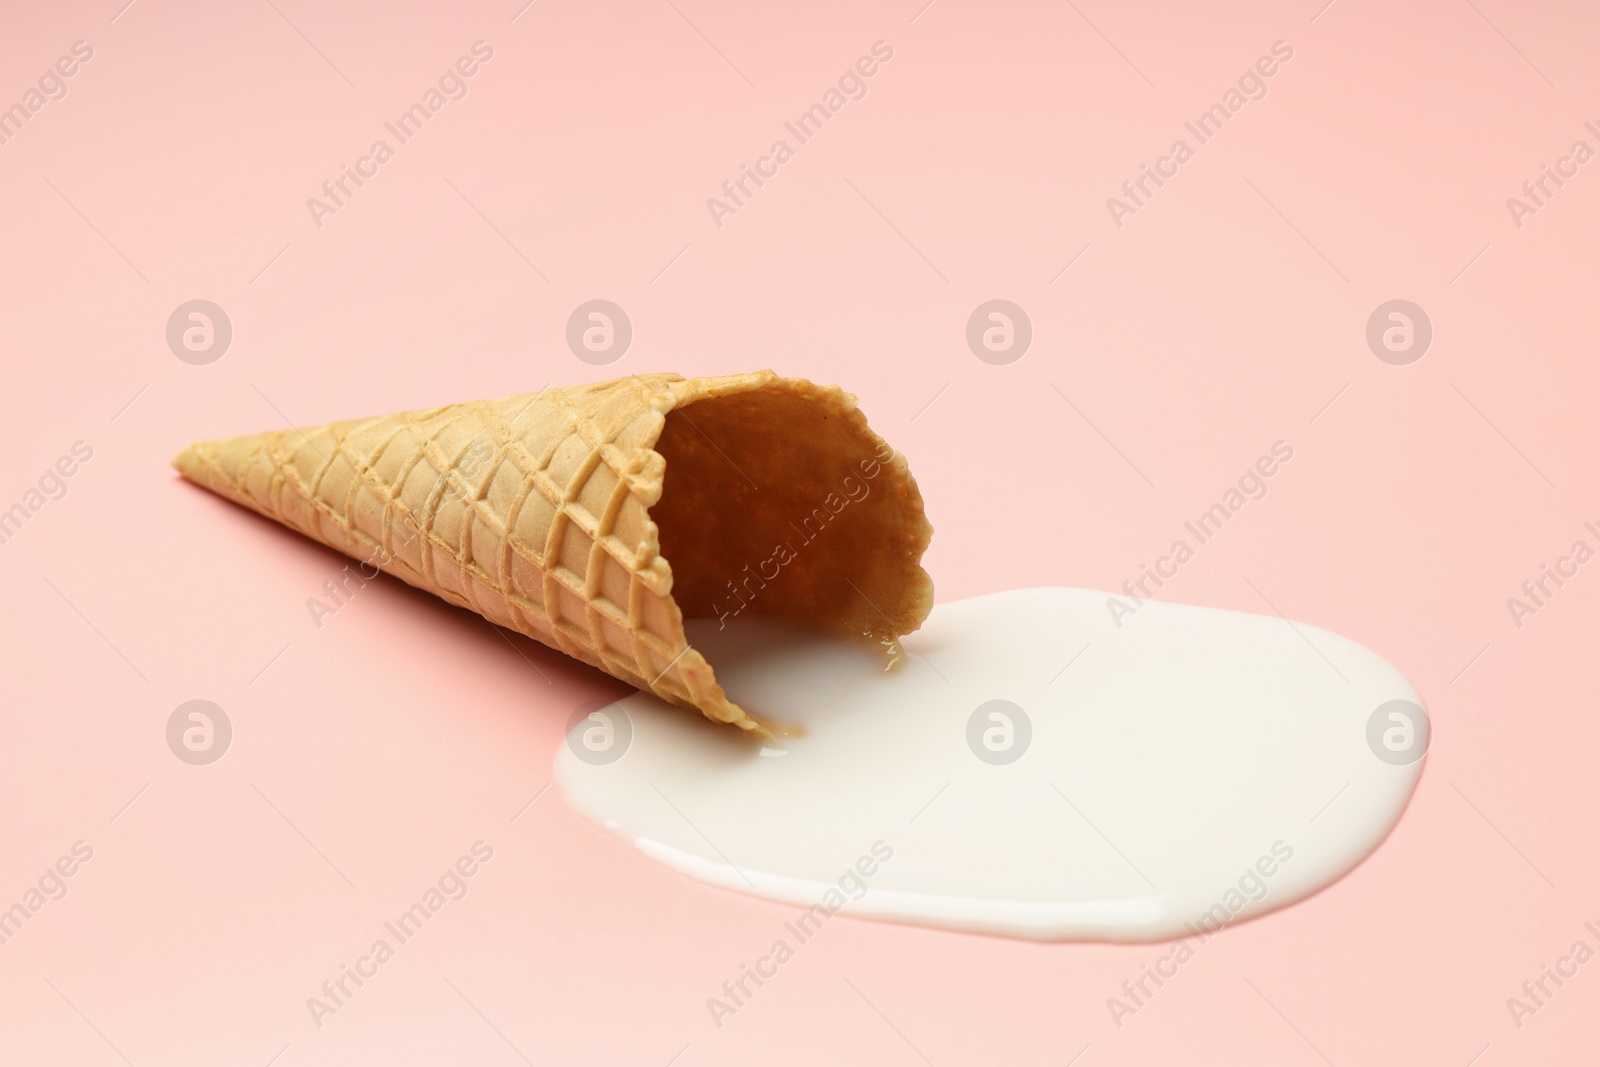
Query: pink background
(1225,315)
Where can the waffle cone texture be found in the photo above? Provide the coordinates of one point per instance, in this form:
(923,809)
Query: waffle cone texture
(596,518)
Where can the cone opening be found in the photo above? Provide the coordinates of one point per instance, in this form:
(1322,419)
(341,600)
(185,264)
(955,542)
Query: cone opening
(779,501)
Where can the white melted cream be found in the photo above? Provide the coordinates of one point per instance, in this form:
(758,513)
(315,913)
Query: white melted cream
(1187,770)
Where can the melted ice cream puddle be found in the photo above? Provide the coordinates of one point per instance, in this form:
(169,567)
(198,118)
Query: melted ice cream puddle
(1190,769)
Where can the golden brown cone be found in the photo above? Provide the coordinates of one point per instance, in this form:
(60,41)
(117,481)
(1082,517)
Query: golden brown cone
(547,513)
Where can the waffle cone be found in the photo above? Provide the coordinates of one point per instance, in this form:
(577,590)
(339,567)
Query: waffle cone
(563,514)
